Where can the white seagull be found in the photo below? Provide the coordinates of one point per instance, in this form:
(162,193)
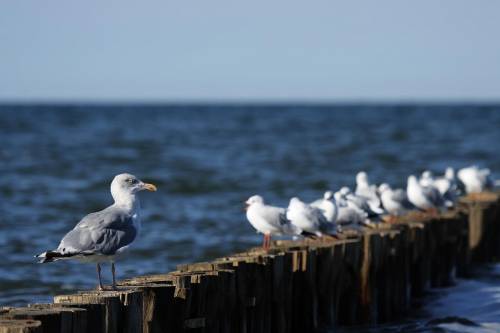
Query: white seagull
(309,219)
(395,202)
(448,187)
(372,208)
(328,206)
(426,179)
(367,190)
(475,179)
(423,197)
(268,220)
(349,214)
(104,236)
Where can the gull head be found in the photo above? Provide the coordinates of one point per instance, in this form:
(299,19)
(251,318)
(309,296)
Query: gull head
(255,199)
(383,187)
(345,191)
(328,195)
(295,203)
(361,178)
(126,185)
(427,174)
(449,173)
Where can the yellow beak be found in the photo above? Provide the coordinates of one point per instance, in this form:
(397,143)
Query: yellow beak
(149,187)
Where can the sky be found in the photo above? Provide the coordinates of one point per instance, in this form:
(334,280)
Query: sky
(257,50)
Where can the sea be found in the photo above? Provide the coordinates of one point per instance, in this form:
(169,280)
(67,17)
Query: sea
(57,162)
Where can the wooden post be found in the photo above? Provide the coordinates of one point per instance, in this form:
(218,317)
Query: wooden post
(20,326)
(122,309)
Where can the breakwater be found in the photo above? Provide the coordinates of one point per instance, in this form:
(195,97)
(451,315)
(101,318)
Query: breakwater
(370,276)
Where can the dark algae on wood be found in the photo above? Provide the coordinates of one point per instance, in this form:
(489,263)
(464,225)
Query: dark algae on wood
(369,276)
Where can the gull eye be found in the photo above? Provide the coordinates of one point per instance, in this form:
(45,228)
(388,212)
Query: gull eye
(130,180)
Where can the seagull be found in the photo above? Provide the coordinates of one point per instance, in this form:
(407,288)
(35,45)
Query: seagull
(395,202)
(362,202)
(309,219)
(427,178)
(328,206)
(368,191)
(448,187)
(423,197)
(105,235)
(268,220)
(446,183)
(475,179)
(349,214)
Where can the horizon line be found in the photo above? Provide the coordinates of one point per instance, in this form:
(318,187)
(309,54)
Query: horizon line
(256,102)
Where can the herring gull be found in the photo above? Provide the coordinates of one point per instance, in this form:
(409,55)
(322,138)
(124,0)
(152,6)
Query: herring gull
(103,236)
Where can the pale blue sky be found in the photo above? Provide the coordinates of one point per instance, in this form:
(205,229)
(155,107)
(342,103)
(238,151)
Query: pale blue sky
(96,50)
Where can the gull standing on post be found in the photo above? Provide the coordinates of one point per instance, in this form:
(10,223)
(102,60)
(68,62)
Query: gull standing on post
(268,220)
(369,192)
(349,214)
(361,202)
(426,179)
(475,180)
(448,187)
(328,206)
(103,236)
(423,197)
(395,202)
(309,219)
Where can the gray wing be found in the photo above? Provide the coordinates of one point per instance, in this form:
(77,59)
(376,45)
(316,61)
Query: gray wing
(316,215)
(276,216)
(103,232)
(434,196)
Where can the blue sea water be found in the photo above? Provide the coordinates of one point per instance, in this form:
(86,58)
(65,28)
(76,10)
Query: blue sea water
(56,163)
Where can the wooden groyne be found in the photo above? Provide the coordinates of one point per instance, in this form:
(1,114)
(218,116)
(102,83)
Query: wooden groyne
(370,277)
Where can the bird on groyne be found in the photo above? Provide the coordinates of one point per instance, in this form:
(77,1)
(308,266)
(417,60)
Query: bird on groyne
(328,206)
(425,198)
(349,214)
(371,207)
(395,201)
(448,187)
(426,179)
(268,220)
(309,219)
(475,179)
(105,235)
(368,191)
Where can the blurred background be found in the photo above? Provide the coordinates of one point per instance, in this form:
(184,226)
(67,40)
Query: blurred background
(217,101)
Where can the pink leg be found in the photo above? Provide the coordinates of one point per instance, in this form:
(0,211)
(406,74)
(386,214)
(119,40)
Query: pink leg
(267,241)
